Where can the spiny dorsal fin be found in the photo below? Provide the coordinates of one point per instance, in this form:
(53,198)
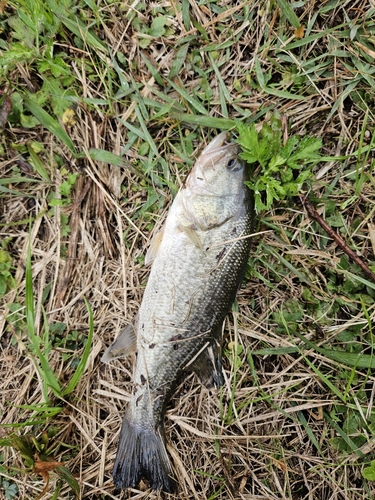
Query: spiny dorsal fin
(154,246)
(125,344)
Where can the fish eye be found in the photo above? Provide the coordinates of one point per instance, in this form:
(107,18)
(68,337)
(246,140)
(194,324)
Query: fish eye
(234,165)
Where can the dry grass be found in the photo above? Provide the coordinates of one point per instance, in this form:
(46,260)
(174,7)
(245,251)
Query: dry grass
(269,433)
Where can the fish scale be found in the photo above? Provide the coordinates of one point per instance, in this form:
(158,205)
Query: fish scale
(199,260)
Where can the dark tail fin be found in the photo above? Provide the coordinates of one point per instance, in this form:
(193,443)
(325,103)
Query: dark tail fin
(141,453)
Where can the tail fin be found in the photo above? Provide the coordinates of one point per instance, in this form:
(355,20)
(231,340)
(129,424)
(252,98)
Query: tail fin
(141,453)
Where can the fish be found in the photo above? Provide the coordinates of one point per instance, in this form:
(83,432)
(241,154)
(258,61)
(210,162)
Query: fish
(197,260)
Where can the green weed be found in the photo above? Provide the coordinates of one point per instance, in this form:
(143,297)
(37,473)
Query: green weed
(40,347)
(7,280)
(284,169)
(37,455)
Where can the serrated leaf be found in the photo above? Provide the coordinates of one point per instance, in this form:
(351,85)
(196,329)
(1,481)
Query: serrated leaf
(369,472)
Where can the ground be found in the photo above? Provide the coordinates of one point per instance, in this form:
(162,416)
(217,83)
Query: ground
(104,107)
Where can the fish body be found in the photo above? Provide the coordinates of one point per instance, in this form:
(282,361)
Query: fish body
(198,264)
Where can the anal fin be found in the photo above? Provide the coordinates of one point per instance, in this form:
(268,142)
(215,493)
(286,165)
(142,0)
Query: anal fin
(208,366)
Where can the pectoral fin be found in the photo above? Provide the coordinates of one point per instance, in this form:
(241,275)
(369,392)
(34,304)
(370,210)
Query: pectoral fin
(192,235)
(125,344)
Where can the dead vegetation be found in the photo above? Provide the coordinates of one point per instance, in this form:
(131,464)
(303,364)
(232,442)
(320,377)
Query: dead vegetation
(290,421)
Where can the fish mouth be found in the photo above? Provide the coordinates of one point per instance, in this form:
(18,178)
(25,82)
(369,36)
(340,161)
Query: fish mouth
(216,143)
(216,149)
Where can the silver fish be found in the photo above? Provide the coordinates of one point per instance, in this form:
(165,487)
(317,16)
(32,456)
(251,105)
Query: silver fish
(198,261)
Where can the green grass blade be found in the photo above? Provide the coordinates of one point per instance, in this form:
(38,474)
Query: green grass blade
(56,493)
(259,73)
(13,180)
(289,13)
(50,123)
(189,98)
(14,192)
(139,133)
(344,436)
(38,165)
(146,133)
(356,277)
(81,31)
(309,431)
(68,477)
(271,351)
(307,40)
(225,96)
(288,265)
(186,13)
(106,157)
(204,121)
(321,375)
(30,312)
(285,95)
(86,352)
(346,358)
(178,61)
(45,371)
(154,71)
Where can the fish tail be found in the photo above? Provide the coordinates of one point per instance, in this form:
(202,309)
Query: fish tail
(141,453)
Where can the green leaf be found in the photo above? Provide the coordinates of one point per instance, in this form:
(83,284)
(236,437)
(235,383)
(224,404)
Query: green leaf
(21,31)
(46,373)
(50,123)
(81,31)
(276,180)
(158,26)
(204,120)
(37,164)
(68,477)
(289,13)
(86,352)
(3,285)
(106,157)
(369,472)
(28,121)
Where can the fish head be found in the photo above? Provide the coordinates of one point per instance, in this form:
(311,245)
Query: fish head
(215,190)
(218,169)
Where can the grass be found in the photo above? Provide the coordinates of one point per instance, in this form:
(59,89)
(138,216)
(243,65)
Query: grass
(102,111)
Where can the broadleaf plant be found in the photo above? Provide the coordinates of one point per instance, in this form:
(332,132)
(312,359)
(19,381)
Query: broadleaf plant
(283,168)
